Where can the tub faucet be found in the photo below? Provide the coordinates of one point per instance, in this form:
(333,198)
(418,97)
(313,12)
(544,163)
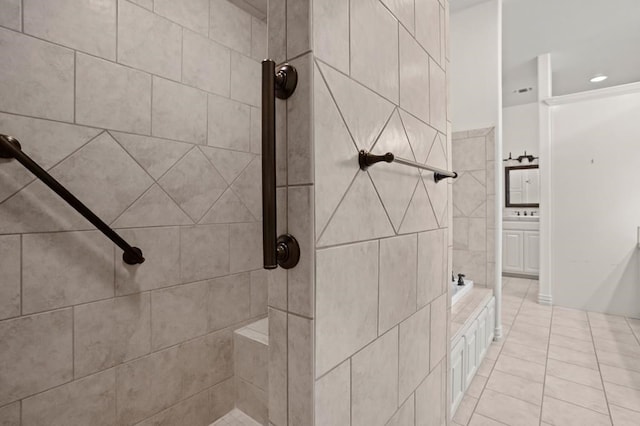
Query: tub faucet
(461,279)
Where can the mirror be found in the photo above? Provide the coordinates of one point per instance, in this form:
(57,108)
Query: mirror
(522,186)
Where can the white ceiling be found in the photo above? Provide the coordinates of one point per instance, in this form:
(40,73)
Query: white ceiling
(584,37)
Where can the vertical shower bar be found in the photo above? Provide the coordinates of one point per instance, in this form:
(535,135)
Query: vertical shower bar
(269,209)
(284,250)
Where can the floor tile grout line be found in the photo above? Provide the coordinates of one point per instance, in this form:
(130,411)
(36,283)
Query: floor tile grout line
(604,390)
(546,366)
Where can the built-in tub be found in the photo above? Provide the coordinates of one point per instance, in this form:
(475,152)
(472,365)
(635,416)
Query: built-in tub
(458,291)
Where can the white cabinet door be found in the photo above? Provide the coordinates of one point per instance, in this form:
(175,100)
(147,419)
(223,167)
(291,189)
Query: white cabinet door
(457,374)
(531,252)
(471,353)
(512,257)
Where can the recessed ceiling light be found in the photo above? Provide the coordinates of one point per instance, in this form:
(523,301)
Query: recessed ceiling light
(598,78)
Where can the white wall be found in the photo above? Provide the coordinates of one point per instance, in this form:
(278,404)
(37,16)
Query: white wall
(520,130)
(475,66)
(595,206)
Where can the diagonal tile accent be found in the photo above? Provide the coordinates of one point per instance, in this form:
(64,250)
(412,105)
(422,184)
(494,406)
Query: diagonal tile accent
(194,183)
(154,208)
(47,142)
(438,192)
(335,154)
(419,216)
(360,205)
(395,182)
(364,111)
(154,154)
(248,187)
(229,163)
(468,194)
(421,136)
(228,209)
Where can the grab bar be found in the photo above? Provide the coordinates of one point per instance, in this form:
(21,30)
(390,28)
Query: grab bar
(281,82)
(10,148)
(367,159)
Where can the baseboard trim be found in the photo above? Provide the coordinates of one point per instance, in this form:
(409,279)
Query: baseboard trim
(516,275)
(545,299)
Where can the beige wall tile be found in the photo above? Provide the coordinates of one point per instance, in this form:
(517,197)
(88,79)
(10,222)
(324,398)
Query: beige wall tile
(11,14)
(245,79)
(298,27)
(112,96)
(405,416)
(414,352)
(333,397)
(299,142)
(205,63)
(193,14)
(192,411)
(331,33)
(229,124)
(439,327)
(300,375)
(244,247)
(222,398)
(91,400)
(148,42)
(437,97)
(87,26)
(374,40)
(229,300)
(109,332)
(258,39)
(414,77)
(10,415)
(36,354)
(251,360)
(346,302)
(374,381)
(10,261)
(179,112)
(178,313)
(46,142)
(202,255)
(430,260)
(428,26)
(230,26)
(252,401)
(278,367)
(431,399)
(277,44)
(301,278)
(161,268)
(39,79)
(63,269)
(397,285)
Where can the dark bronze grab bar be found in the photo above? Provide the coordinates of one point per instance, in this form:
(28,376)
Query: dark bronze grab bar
(366,159)
(283,250)
(10,148)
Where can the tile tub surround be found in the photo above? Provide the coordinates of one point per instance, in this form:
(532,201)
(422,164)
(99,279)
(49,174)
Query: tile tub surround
(473,210)
(381,236)
(119,101)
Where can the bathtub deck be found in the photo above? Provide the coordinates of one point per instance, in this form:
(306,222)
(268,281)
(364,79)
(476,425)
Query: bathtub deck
(466,308)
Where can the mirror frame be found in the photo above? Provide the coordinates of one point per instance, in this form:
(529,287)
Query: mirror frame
(506,187)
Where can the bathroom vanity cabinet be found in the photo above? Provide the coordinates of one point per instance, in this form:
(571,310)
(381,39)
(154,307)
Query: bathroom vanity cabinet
(521,247)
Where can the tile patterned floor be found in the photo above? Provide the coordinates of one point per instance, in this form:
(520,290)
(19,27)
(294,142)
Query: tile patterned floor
(235,417)
(556,366)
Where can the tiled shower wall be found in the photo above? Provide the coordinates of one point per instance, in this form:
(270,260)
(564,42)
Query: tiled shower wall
(381,236)
(473,206)
(133,107)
